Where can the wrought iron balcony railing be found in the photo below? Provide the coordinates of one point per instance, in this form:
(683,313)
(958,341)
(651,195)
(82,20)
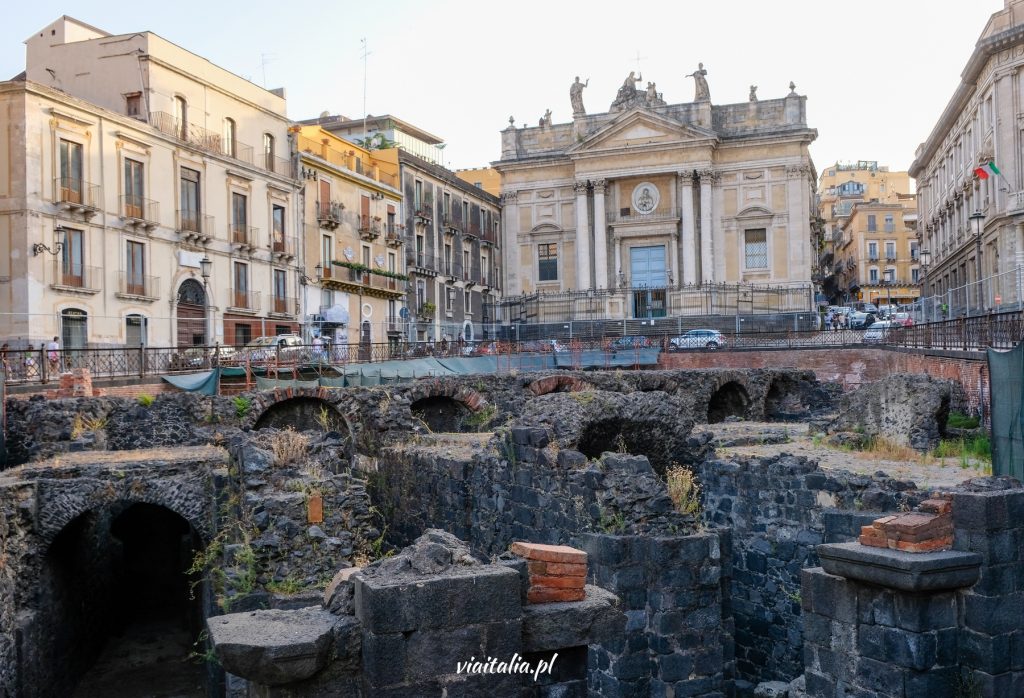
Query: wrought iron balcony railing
(76,277)
(244,300)
(139,212)
(77,195)
(136,285)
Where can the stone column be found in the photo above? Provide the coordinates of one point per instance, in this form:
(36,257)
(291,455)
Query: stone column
(689,244)
(512,283)
(707,263)
(600,236)
(582,238)
(1019,259)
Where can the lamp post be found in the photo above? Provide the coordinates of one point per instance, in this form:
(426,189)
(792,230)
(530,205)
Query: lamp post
(977,218)
(58,247)
(206,269)
(926,261)
(304,281)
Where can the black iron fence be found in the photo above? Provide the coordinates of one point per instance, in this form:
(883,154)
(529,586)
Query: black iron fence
(974,333)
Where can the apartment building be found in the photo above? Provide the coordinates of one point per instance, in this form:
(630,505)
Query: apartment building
(453,253)
(353,267)
(147,197)
(973,226)
(841,187)
(877,253)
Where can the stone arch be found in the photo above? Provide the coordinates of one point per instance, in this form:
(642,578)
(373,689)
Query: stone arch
(262,401)
(558,384)
(782,400)
(60,503)
(443,404)
(730,400)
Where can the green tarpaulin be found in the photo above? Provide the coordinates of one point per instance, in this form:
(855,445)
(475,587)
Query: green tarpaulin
(1006,378)
(204,383)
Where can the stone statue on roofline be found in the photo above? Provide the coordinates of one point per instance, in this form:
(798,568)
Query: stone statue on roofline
(576,96)
(627,95)
(702,93)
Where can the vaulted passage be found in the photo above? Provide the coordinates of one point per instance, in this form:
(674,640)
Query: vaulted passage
(440,413)
(782,403)
(639,438)
(303,414)
(115,613)
(731,400)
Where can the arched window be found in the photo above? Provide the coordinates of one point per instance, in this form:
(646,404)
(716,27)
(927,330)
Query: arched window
(230,142)
(181,117)
(74,329)
(135,330)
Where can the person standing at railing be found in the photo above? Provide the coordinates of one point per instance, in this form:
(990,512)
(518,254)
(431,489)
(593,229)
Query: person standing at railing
(53,355)
(318,348)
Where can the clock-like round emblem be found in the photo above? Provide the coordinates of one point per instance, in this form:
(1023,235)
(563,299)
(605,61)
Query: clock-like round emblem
(645,197)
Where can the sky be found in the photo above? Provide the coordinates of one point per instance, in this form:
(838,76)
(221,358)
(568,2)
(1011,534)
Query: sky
(877,74)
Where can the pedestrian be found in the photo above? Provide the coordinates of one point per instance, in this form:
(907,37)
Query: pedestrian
(828,319)
(318,348)
(53,355)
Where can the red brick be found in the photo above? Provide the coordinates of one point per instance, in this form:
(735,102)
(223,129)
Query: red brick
(549,553)
(873,542)
(928,546)
(554,595)
(547,582)
(936,506)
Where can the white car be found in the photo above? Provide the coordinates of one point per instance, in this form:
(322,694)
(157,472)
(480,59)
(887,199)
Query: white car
(878,331)
(698,339)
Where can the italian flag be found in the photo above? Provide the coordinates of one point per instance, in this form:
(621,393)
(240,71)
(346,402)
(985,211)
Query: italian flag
(987,170)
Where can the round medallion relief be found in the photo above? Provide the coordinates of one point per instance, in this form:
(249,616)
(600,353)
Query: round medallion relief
(645,197)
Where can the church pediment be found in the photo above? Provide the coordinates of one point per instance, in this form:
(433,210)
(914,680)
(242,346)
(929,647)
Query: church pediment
(640,127)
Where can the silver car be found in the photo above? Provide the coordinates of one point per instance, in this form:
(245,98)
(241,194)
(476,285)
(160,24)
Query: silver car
(698,339)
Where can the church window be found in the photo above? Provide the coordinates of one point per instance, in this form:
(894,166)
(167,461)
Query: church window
(547,257)
(756,248)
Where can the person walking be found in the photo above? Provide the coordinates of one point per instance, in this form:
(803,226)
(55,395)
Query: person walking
(53,355)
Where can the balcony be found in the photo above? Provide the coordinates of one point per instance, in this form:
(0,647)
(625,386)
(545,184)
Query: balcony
(281,166)
(393,238)
(618,217)
(369,228)
(210,141)
(489,238)
(76,196)
(283,247)
(1015,202)
(369,283)
(470,276)
(453,270)
(283,305)
(76,278)
(450,225)
(137,286)
(472,231)
(425,211)
(422,263)
(195,227)
(244,236)
(328,213)
(139,212)
(243,301)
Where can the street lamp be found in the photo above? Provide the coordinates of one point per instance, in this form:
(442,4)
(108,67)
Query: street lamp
(205,269)
(976,219)
(38,248)
(925,258)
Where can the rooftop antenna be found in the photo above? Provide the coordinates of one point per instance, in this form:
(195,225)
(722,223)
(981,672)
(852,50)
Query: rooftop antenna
(638,58)
(365,54)
(264,59)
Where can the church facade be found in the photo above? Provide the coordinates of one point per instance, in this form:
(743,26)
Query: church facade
(655,210)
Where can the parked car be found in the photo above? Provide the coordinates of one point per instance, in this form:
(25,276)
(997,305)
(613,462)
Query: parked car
(698,339)
(542,345)
(860,320)
(287,347)
(902,318)
(631,342)
(877,332)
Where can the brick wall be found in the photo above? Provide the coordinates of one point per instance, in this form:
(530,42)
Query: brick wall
(855,366)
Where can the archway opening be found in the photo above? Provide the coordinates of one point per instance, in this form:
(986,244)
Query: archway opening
(116,612)
(191,314)
(782,403)
(652,439)
(440,413)
(731,400)
(303,414)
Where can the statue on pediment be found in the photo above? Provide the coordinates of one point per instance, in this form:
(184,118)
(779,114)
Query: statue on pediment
(546,119)
(627,95)
(652,98)
(576,96)
(703,94)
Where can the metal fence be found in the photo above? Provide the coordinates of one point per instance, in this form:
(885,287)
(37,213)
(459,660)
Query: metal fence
(973,333)
(997,293)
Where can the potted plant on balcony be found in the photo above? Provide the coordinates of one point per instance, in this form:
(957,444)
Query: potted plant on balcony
(427,310)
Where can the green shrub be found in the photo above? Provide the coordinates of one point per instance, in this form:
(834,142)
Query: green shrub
(958,420)
(242,406)
(146,400)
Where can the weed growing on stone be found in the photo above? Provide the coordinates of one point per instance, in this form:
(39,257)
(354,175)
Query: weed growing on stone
(202,652)
(289,446)
(288,586)
(683,490)
(620,444)
(242,406)
(958,420)
(482,417)
(612,522)
(323,418)
(146,400)
(584,398)
(81,425)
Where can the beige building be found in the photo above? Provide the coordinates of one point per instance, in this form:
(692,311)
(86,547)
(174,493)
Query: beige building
(840,188)
(353,237)
(651,210)
(127,162)
(980,124)
(486,178)
(877,253)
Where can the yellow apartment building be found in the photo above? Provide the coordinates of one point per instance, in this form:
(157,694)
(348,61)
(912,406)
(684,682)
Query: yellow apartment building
(877,253)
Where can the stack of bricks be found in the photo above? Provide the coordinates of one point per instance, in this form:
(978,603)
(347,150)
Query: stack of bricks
(557,572)
(926,530)
(74,383)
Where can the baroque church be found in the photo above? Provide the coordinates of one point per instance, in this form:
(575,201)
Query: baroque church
(653,210)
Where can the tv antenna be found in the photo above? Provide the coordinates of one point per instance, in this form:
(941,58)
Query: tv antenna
(365,54)
(266,58)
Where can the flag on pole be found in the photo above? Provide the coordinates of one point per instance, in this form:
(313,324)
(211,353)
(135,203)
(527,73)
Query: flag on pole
(987,170)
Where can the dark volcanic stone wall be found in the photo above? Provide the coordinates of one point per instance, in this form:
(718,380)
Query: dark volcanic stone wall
(779,508)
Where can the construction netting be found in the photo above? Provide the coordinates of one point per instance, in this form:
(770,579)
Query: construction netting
(1006,378)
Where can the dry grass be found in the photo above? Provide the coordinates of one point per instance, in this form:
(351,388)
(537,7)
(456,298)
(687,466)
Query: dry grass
(683,490)
(81,425)
(289,446)
(878,448)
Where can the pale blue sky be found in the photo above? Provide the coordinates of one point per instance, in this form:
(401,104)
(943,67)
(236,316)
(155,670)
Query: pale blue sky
(877,73)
